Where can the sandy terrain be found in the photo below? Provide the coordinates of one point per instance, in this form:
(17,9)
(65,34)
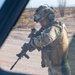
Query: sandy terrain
(12,46)
(17,38)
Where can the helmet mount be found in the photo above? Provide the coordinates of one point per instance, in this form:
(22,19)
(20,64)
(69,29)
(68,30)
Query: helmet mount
(43,12)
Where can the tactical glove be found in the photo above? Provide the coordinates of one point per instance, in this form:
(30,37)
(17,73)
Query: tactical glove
(25,48)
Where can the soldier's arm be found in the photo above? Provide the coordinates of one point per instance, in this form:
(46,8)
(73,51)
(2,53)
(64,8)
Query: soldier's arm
(48,36)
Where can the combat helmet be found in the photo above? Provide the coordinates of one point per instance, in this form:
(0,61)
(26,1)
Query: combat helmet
(44,11)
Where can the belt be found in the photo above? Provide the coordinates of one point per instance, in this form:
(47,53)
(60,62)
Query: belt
(60,64)
(56,65)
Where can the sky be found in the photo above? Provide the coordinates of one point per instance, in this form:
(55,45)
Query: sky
(36,3)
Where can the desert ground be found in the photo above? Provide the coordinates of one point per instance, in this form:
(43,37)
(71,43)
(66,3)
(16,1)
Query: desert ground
(19,35)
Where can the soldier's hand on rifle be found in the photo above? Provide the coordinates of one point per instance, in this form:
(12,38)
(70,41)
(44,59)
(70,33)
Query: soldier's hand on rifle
(25,48)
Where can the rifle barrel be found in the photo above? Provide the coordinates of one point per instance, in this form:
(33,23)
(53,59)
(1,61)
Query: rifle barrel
(14,63)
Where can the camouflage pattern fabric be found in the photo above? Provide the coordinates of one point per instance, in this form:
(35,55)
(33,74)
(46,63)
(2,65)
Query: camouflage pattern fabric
(54,71)
(53,42)
(60,70)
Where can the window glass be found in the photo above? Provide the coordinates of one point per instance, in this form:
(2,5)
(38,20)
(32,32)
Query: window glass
(1,3)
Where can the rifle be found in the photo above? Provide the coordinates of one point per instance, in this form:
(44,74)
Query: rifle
(18,60)
(31,35)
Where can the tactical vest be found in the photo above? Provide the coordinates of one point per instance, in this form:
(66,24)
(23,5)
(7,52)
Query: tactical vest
(57,53)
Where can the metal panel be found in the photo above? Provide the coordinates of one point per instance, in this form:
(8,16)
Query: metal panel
(9,14)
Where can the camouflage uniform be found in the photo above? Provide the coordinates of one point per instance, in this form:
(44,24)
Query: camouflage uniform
(53,43)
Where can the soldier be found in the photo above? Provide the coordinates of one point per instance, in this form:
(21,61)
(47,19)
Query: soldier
(52,40)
